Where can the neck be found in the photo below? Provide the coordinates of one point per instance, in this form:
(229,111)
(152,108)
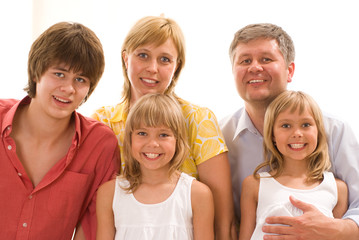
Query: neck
(40,126)
(256,113)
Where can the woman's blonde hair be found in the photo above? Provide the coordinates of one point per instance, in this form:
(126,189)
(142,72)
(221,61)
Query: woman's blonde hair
(318,161)
(153,30)
(154,110)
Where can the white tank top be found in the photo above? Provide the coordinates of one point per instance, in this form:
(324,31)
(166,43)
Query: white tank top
(273,199)
(170,219)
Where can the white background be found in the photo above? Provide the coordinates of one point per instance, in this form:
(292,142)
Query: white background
(325,34)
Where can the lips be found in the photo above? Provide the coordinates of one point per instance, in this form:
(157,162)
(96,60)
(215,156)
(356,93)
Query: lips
(150,81)
(61,99)
(297,145)
(256,81)
(152,155)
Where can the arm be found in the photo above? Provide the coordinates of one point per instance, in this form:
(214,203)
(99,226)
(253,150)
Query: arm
(342,204)
(203,211)
(249,200)
(215,173)
(312,225)
(105,217)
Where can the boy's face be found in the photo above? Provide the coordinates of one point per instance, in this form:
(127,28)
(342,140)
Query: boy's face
(260,70)
(60,91)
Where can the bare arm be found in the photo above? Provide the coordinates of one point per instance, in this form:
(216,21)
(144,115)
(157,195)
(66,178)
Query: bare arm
(105,217)
(203,211)
(342,204)
(249,200)
(215,173)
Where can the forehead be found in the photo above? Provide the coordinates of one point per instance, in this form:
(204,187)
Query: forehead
(167,47)
(295,113)
(258,46)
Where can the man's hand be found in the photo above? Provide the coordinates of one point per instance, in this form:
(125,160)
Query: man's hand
(312,225)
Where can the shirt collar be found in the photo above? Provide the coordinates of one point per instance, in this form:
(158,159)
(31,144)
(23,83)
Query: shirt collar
(9,116)
(244,123)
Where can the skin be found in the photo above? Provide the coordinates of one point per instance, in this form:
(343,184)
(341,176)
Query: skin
(59,92)
(154,148)
(158,64)
(312,224)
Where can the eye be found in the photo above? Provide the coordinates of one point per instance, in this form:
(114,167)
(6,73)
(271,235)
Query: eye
(285,125)
(266,60)
(245,61)
(165,60)
(164,135)
(58,74)
(306,125)
(141,133)
(81,80)
(142,55)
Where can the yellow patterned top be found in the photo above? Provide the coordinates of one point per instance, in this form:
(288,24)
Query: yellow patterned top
(204,135)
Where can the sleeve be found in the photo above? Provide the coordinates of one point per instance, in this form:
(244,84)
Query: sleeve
(104,173)
(101,115)
(344,153)
(205,137)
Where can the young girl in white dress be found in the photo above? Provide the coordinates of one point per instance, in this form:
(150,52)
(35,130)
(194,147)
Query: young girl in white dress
(296,157)
(151,199)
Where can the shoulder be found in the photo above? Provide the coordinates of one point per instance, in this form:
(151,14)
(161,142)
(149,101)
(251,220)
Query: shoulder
(231,120)
(93,128)
(251,184)
(341,185)
(106,191)
(200,192)
(194,111)
(106,113)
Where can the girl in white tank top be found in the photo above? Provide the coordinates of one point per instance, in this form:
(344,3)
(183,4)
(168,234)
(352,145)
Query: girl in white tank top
(297,160)
(152,199)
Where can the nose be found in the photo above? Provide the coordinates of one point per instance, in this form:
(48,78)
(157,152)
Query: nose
(297,133)
(152,66)
(67,86)
(153,142)
(255,67)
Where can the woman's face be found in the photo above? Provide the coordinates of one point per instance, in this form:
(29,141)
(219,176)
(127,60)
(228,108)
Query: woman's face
(150,68)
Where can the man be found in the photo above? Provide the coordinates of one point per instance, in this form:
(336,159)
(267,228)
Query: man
(262,57)
(52,159)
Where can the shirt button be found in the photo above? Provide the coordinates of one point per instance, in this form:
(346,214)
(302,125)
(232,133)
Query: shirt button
(30,196)
(19,174)
(24,225)
(8,128)
(9,147)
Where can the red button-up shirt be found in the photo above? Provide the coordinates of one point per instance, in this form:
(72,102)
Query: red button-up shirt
(67,193)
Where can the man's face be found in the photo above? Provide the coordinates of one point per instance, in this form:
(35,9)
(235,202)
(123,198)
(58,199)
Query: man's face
(260,71)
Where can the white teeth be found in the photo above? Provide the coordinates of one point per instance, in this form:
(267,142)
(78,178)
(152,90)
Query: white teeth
(61,100)
(296,145)
(148,80)
(151,155)
(256,81)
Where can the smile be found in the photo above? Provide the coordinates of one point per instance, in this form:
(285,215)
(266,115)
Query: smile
(256,81)
(61,100)
(297,145)
(149,80)
(152,155)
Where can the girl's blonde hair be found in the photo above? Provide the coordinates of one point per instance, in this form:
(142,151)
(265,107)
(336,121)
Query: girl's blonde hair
(154,110)
(153,30)
(318,161)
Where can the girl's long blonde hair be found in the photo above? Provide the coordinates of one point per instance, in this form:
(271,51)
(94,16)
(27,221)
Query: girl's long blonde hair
(154,110)
(318,161)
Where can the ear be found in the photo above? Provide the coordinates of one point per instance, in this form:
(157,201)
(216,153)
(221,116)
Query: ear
(125,58)
(291,69)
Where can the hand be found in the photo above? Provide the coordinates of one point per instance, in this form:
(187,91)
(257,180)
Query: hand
(312,225)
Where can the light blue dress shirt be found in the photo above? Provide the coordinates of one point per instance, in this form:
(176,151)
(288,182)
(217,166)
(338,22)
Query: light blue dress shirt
(245,152)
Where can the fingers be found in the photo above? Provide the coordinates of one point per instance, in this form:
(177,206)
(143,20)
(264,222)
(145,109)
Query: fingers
(301,205)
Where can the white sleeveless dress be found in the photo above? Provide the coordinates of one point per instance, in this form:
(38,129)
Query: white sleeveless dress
(273,199)
(170,219)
